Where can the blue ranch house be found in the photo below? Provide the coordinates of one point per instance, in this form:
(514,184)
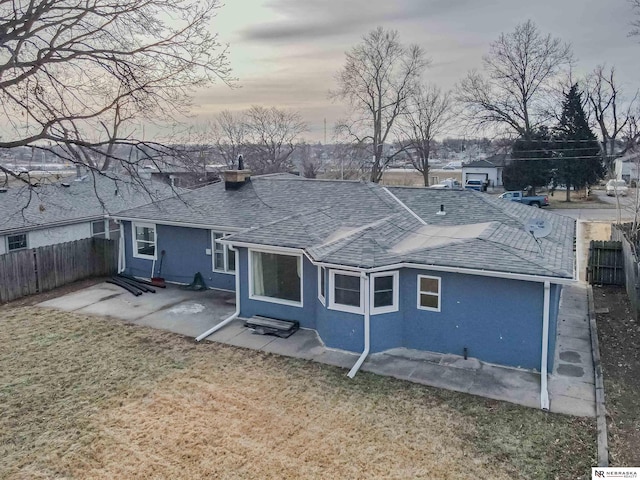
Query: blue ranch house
(368,267)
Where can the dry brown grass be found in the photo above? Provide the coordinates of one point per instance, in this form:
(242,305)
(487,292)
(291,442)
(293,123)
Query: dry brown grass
(84,397)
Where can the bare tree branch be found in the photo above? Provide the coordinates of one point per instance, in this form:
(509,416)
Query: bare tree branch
(428,114)
(74,75)
(379,76)
(518,70)
(610,109)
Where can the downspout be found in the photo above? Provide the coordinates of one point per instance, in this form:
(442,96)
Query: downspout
(544,393)
(367,328)
(230,319)
(122,259)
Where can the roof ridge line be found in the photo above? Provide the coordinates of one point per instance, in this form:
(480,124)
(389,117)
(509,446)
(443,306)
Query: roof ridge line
(403,205)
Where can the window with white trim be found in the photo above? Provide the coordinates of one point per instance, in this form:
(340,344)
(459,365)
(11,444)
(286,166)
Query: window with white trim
(144,240)
(346,291)
(429,293)
(322,294)
(16,242)
(114,229)
(97,229)
(224,259)
(384,292)
(275,277)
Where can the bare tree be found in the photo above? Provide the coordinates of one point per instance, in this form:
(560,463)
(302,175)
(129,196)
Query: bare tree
(610,110)
(429,112)
(74,74)
(271,138)
(379,76)
(520,67)
(229,133)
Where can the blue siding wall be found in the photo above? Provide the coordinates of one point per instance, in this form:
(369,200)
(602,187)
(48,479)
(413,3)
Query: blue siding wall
(185,256)
(497,320)
(306,314)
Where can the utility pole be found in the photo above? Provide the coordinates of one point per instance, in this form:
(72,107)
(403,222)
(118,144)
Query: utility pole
(325,130)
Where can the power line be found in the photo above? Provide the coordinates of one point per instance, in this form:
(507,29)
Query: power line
(585,157)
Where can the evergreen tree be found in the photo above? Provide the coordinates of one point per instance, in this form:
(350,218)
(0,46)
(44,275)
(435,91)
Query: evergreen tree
(531,163)
(577,153)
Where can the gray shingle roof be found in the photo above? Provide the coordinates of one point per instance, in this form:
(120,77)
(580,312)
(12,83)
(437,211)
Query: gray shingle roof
(54,204)
(479,164)
(360,224)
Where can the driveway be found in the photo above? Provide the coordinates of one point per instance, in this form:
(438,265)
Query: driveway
(191,313)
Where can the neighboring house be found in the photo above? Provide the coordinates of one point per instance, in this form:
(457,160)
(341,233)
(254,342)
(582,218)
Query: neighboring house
(488,170)
(367,266)
(627,167)
(68,210)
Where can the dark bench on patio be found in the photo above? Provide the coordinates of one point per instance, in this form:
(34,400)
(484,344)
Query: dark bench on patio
(272,326)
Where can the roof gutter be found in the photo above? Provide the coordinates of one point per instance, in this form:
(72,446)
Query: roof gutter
(544,393)
(367,327)
(461,270)
(44,226)
(227,320)
(178,224)
(418,266)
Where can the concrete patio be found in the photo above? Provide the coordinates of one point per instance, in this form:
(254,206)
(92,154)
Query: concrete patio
(571,386)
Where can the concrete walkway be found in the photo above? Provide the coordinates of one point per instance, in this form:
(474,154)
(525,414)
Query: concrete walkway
(571,386)
(191,313)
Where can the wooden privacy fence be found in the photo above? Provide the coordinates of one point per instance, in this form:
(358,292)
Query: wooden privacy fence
(606,264)
(631,265)
(40,269)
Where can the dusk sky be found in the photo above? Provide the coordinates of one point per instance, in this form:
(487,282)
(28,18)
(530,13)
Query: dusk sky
(286,53)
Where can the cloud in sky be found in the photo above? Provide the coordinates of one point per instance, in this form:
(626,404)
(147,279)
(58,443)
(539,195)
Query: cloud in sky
(286,52)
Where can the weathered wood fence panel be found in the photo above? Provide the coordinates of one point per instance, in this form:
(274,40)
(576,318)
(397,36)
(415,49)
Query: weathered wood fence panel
(606,264)
(40,269)
(631,265)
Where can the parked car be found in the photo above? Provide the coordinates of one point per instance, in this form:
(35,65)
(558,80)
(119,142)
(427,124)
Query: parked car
(478,185)
(617,187)
(452,166)
(448,183)
(533,200)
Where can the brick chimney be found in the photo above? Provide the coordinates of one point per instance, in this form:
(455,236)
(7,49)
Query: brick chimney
(234,179)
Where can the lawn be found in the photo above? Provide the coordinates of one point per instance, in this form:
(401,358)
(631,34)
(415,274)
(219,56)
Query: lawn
(89,397)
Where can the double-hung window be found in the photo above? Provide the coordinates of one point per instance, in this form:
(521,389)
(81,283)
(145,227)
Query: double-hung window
(97,229)
(346,291)
(224,259)
(16,242)
(144,241)
(114,229)
(384,292)
(429,293)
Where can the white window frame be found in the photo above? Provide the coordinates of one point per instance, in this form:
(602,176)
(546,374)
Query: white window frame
(225,250)
(104,233)
(322,296)
(134,243)
(439,295)
(280,301)
(394,307)
(26,241)
(332,292)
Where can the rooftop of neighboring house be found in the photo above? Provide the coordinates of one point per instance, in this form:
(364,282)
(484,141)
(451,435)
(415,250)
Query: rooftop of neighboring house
(73,200)
(481,163)
(366,225)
